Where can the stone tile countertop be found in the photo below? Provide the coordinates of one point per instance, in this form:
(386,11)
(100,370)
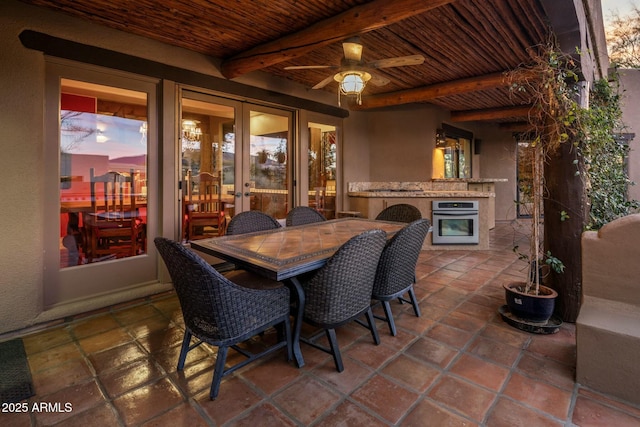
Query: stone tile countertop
(429,189)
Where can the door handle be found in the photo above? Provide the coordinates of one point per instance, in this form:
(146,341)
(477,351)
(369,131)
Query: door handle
(247,194)
(238,195)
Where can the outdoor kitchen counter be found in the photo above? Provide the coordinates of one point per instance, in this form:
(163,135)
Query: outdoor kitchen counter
(371,202)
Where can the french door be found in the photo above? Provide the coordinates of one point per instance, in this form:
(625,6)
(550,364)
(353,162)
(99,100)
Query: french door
(248,146)
(101,187)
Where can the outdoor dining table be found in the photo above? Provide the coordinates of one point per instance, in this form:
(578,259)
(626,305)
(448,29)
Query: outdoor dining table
(285,253)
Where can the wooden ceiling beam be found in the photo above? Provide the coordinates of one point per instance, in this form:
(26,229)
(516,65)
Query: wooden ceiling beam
(491,114)
(427,93)
(357,20)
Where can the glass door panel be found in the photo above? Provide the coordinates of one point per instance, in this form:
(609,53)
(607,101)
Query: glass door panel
(322,168)
(269,150)
(103,173)
(208,151)
(101,186)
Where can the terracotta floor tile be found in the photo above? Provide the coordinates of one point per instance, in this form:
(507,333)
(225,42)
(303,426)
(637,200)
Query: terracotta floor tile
(560,346)
(386,398)
(134,314)
(195,377)
(47,359)
(182,416)
(480,372)
(370,354)
(431,351)
(46,340)
(149,325)
(506,334)
(416,375)
(408,321)
(507,413)
(447,298)
(94,325)
(101,415)
(589,413)
(634,410)
(296,400)
(116,357)
(105,340)
(235,397)
(160,340)
(351,415)
(398,343)
(118,382)
(353,376)
(80,397)
(141,404)
(448,335)
(548,370)
(61,376)
(494,351)
(168,358)
(541,396)
(462,396)
(463,321)
(480,312)
(264,415)
(272,374)
(428,414)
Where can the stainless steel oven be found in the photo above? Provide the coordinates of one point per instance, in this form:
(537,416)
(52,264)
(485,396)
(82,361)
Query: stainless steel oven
(455,222)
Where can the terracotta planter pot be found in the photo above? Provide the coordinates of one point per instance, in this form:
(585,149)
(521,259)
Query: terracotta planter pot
(533,308)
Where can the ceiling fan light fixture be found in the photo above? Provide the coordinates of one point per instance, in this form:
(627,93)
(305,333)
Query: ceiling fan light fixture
(352,83)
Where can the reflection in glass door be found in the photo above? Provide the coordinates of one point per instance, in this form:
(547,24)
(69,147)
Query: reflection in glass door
(269,180)
(101,188)
(322,168)
(208,165)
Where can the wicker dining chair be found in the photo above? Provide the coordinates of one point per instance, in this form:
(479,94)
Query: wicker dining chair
(341,291)
(303,215)
(400,213)
(221,313)
(250,221)
(396,270)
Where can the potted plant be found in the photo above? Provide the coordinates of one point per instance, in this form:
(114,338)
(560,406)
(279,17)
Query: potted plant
(263,156)
(281,152)
(529,300)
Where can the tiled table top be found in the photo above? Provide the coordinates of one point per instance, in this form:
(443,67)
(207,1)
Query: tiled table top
(289,251)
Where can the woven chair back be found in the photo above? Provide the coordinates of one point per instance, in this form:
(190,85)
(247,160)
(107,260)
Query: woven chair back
(251,221)
(342,288)
(397,266)
(400,213)
(303,215)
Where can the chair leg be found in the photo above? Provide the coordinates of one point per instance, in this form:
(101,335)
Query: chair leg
(389,317)
(372,326)
(335,351)
(414,302)
(218,371)
(184,350)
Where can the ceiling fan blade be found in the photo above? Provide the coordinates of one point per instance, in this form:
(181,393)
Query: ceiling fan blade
(323,83)
(352,49)
(308,67)
(378,80)
(397,62)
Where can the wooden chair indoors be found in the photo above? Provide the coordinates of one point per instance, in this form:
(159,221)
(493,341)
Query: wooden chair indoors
(204,210)
(113,227)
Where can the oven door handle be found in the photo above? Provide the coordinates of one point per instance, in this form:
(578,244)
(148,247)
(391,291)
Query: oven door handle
(465,213)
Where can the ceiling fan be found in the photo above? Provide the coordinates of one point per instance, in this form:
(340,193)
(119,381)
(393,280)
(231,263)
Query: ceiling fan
(353,73)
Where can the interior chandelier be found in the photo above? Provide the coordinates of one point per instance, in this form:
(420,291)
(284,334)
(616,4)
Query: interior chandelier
(352,83)
(191,134)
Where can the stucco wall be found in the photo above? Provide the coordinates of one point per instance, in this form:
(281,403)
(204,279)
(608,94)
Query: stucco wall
(630,83)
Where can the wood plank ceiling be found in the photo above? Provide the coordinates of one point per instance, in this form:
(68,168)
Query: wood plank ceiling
(467,44)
